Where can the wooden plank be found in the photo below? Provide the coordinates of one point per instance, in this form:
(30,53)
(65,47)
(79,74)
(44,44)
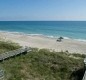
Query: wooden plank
(13,53)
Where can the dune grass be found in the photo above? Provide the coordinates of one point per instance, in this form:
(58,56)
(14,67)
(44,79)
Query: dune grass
(43,65)
(8,46)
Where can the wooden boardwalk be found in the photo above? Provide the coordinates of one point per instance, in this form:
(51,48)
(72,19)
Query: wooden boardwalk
(13,53)
(10,54)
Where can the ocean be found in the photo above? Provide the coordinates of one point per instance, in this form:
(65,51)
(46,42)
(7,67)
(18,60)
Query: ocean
(66,29)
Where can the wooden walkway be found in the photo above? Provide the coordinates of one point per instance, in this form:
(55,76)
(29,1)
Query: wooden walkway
(13,53)
(10,54)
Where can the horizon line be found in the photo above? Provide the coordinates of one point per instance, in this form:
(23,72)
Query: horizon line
(42,20)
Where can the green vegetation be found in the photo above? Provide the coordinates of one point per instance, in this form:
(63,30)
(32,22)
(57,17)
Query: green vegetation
(42,65)
(8,46)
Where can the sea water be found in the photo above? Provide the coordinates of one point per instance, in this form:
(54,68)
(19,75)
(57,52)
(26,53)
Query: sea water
(66,29)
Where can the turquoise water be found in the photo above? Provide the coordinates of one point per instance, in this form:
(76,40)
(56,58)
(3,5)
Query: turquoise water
(70,29)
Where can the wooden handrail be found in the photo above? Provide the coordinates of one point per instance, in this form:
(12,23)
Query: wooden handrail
(84,77)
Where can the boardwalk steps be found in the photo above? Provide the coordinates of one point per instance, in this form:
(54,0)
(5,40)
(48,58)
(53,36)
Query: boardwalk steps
(10,54)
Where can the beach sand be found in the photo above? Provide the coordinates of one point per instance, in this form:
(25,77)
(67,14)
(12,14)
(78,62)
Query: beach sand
(39,41)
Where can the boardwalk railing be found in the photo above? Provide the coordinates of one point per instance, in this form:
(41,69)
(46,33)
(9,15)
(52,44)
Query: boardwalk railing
(84,77)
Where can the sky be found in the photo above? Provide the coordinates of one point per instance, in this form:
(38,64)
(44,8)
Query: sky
(42,10)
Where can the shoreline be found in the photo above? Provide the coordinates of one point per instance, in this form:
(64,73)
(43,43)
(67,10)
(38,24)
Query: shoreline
(41,41)
(42,35)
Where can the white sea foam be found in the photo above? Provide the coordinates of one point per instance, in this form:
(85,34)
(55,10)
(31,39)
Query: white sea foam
(41,35)
(66,37)
(83,40)
(35,34)
(51,36)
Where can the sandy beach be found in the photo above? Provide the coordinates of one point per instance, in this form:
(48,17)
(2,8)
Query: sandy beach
(39,41)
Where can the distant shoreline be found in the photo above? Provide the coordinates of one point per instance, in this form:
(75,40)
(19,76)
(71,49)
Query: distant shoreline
(39,41)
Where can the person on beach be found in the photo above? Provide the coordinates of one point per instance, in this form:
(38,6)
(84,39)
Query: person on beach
(59,39)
